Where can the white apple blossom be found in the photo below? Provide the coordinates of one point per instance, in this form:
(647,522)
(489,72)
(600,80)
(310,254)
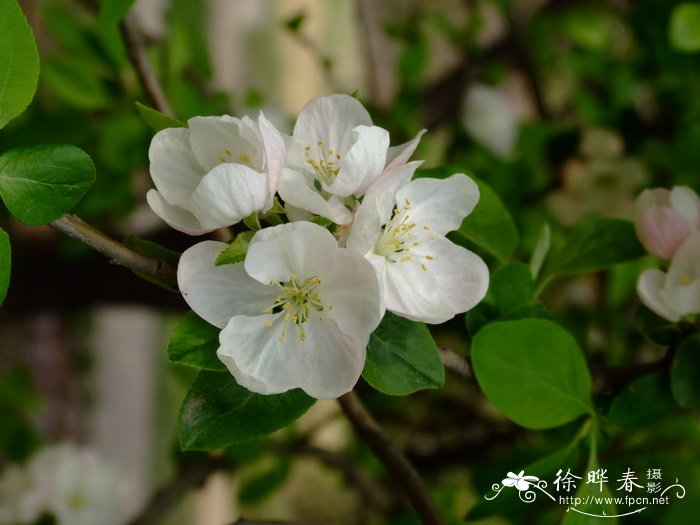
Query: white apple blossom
(296,314)
(664,219)
(491,119)
(68,482)
(215,172)
(334,154)
(674,294)
(401,231)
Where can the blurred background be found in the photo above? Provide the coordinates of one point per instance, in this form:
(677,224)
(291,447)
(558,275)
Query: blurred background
(567,109)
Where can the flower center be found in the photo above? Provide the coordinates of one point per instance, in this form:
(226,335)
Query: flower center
(228,156)
(398,241)
(325,162)
(295,303)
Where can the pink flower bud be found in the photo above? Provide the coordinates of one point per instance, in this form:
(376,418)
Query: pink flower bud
(664,219)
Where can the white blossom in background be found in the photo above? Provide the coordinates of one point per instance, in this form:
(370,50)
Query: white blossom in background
(491,119)
(68,482)
(215,172)
(401,231)
(334,154)
(674,294)
(296,314)
(665,219)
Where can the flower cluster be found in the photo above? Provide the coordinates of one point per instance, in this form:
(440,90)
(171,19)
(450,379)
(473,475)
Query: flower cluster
(69,483)
(298,311)
(668,225)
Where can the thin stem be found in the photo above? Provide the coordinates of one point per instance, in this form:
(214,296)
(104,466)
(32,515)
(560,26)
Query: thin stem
(136,50)
(392,458)
(119,254)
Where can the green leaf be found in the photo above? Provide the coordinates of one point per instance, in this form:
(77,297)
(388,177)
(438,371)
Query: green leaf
(152,249)
(109,15)
(402,358)
(533,371)
(597,244)
(539,254)
(41,183)
(5,264)
(156,119)
(19,62)
(655,329)
(511,287)
(77,82)
(685,373)
(217,412)
(644,401)
(684,28)
(490,225)
(194,343)
(236,251)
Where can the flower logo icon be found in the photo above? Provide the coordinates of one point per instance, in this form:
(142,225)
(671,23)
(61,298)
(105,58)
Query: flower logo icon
(519,481)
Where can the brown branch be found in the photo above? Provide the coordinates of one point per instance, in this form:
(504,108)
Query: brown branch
(392,458)
(136,50)
(189,476)
(119,254)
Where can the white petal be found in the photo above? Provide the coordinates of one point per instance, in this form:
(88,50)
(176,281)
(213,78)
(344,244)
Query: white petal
(509,482)
(686,202)
(336,359)
(521,485)
(217,140)
(398,155)
(176,217)
(331,119)
(649,287)
(364,161)
(173,167)
(274,150)
(393,176)
(413,293)
(217,293)
(462,276)
(298,191)
(682,289)
(253,353)
(352,287)
(299,248)
(440,204)
(228,194)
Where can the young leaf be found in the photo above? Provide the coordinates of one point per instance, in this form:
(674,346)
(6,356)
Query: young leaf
(217,412)
(685,373)
(19,62)
(5,264)
(194,343)
(156,119)
(41,183)
(402,358)
(644,401)
(533,371)
(684,28)
(539,254)
(597,244)
(237,250)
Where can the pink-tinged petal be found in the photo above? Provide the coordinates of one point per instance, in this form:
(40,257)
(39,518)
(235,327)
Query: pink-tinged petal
(363,162)
(331,120)
(173,167)
(336,359)
(462,276)
(439,204)
(228,194)
(218,140)
(649,287)
(301,249)
(687,203)
(413,293)
(274,150)
(352,287)
(251,349)
(398,155)
(217,293)
(176,217)
(682,288)
(298,191)
(662,231)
